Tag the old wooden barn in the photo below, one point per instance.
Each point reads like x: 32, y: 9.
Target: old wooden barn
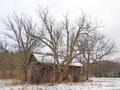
x: 40, y: 70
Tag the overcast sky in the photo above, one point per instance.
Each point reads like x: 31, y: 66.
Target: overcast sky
x: 105, y: 11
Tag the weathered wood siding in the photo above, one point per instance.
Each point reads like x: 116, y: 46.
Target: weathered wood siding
x: 43, y: 72
x: 74, y: 73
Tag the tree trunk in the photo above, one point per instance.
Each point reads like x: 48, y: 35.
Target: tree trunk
x: 54, y: 73
x: 87, y: 71
x: 60, y: 78
x: 25, y: 72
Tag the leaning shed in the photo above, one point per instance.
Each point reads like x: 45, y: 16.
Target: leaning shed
x: 40, y: 70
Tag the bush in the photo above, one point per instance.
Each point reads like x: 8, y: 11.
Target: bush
x: 118, y: 74
x: 98, y: 74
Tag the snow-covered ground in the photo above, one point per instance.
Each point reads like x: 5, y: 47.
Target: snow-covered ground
x: 92, y: 84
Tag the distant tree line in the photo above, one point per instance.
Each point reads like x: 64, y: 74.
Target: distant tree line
x: 106, y: 69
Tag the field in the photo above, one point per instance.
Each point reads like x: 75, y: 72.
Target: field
x: 92, y: 84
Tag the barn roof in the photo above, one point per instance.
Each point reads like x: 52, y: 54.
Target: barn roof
x: 50, y: 59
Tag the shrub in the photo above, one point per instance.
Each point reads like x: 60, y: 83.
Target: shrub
x: 98, y: 74
x: 118, y: 74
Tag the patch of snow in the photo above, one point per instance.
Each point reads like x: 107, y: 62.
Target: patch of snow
x: 75, y: 63
x: 43, y: 58
x: 92, y: 84
x: 50, y: 59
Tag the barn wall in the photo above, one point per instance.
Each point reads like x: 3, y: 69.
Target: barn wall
x: 74, y: 73
x: 43, y: 73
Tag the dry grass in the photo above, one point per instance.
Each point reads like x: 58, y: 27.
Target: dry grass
x: 6, y: 76
x: 82, y: 78
x: 16, y: 79
x: 19, y: 79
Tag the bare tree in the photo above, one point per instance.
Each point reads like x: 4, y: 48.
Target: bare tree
x: 19, y: 28
x: 62, y: 38
x: 3, y: 46
x: 94, y: 47
x: 51, y: 36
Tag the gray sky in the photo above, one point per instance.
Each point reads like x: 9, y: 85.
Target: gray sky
x: 105, y: 11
